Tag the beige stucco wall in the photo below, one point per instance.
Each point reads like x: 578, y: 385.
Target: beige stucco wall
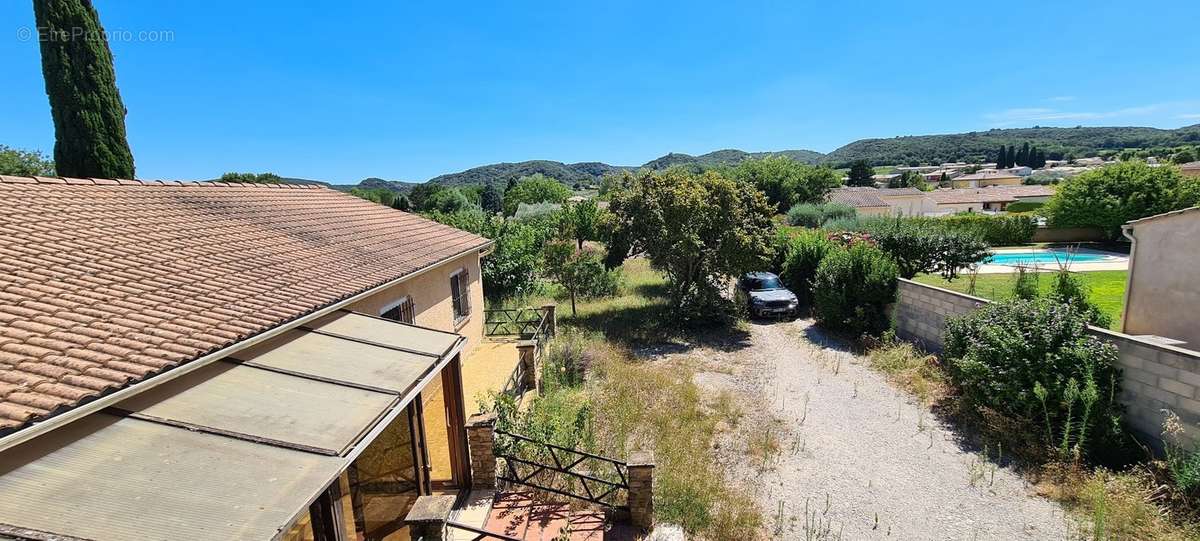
x: 431, y: 299
x: 909, y: 205
x: 873, y: 211
x: 1163, y: 295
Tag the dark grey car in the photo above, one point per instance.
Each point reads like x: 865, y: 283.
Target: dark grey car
x: 765, y: 295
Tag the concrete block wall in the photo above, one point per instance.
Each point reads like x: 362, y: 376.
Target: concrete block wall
x: 1155, y: 376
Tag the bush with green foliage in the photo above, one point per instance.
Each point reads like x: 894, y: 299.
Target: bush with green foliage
x: 803, y: 254
x: 491, y: 199
x: 1035, y: 360
x: 816, y: 215
x: 1108, y: 197
x: 260, y: 178
x: 852, y: 288
x: 24, y: 163
x: 698, y: 230
x: 579, y: 272
x: 1067, y: 287
x: 917, y: 249
x: 998, y: 230
x: 532, y: 189
x: 785, y: 181
x: 449, y: 201
x: 860, y: 174
x: 513, y: 266
x: 806, y: 215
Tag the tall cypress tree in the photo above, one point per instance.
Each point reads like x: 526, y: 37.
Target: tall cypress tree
x: 1011, y: 159
x: 1002, y: 158
x: 89, y: 118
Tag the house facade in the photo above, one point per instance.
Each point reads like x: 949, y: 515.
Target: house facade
x: 227, y: 361
x: 983, y: 179
x: 1164, y: 267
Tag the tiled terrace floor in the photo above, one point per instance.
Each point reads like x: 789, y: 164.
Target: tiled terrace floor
x: 517, y: 515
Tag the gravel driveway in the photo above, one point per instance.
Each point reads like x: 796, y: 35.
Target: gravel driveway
x: 865, y: 459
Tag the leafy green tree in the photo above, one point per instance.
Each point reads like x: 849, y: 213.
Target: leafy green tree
x: 259, y: 178
x: 582, y: 221
x: 860, y: 174
x: 536, y: 188
x: 421, y: 193
x: 785, y: 181
x: 402, y: 203
x: 1108, y: 197
x: 449, y: 201
x: 917, y: 248
x: 910, y: 179
x: 89, y: 117
x: 383, y: 196
x: 490, y: 199
x: 699, y: 230
x: 1185, y: 155
x: 24, y: 163
x: 581, y: 273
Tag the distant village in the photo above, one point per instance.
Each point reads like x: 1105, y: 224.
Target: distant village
x: 969, y: 187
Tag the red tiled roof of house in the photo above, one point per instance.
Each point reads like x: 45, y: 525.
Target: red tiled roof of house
x: 991, y: 194
x: 105, y: 283
x: 857, y: 197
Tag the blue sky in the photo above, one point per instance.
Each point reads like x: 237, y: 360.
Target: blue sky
x: 339, y: 91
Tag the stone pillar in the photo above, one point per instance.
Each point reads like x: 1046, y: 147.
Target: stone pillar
x: 640, y: 470
x: 427, y: 518
x: 481, y: 441
x: 551, y: 319
x: 527, y: 356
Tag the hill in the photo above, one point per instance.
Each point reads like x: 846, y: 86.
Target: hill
x: 568, y: 173
x: 728, y: 157
x: 982, y: 146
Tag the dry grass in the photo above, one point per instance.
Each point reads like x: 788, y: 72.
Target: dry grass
x: 1116, y: 505
x: 911, y: 369
x: 644, y: 406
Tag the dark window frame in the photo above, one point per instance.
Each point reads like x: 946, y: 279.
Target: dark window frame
x: 460, y: 294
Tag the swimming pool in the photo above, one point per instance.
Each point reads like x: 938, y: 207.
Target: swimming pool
x: 1044, y: 257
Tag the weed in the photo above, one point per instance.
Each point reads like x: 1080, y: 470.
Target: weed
x: 916, y: 372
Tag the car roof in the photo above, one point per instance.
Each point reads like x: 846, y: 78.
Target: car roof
x: 759, y: 275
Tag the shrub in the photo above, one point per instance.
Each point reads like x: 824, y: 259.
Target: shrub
x: 843, y: 224
x: 1108, y: 197
x: 837, y: 211
x: 1004, y: 230
x: 851, y: 289
x: 1025, y: 284
x: 1035, y: 360
x: 917, y: 249
x: 804, y: 253
x: 806, y: 215
x: 1068, y: 288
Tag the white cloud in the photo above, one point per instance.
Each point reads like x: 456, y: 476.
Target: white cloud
x: 1027, y: 115
x: 1190, y: 116
x: 1061, y: 98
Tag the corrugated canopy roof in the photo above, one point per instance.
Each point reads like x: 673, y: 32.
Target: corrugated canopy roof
x: 105, y: 283
x: 233, y: 450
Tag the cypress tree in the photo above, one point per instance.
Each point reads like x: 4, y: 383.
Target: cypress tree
x: 1011, y: 159
x: 89, y: 118
x: 1002, y: 158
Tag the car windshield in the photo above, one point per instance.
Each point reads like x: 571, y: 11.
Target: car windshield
x: 760, y: 284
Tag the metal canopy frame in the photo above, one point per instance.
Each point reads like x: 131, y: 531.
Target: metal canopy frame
x: 183, y: 408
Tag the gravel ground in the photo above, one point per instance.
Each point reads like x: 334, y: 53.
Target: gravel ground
x: 865, y: 459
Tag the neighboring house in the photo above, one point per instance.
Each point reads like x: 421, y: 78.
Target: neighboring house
x: 1191, y: 169
x: 936, y: 176
x: 882, y: 181
x: 907, y: 201
x: 1164, y: 267
x: 993, y: 199
x: 983, y: 179
x: 865, y: 200
x: 227, y: 361
x: 1020, y: 170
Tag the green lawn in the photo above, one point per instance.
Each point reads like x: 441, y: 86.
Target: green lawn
x: 1108, y: 288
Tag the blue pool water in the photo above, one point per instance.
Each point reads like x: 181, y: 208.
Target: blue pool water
x: 1047, y: 257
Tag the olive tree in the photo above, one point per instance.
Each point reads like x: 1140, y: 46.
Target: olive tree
x: 699, y: 230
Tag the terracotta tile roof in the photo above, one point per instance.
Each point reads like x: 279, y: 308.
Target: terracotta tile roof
x: 104, y: 283
x: 857, y: 197
x: 991, y: 194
